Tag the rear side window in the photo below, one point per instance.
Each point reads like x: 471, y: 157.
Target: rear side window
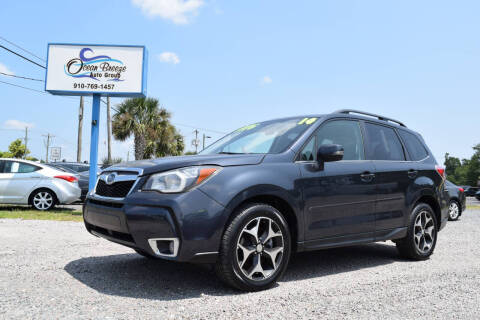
x: 414, y: 146
x: 383, y: 143
x: 19, y: 167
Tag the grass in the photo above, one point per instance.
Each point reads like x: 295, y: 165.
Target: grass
x: 27, y: 213
x: 473, y: 207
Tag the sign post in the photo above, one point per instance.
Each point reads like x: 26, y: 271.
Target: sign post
x: 96, y: 70
x: 94, y: 141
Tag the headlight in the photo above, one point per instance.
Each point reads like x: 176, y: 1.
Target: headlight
x: 179, y: 180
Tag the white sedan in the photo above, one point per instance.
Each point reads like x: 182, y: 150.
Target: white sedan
x: 27, y: 182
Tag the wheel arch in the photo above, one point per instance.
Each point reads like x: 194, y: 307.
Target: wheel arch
x: 30, y: 197
x: 433, y: 203
x: 275, y: 197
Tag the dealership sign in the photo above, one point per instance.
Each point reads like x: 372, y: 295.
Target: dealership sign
x: 109, y: 70
x: 96, y: 70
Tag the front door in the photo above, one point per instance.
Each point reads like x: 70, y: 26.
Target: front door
x: 17, y: 180
x: 340, y: 199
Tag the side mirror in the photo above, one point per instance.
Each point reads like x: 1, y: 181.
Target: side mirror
x: 329, y: 153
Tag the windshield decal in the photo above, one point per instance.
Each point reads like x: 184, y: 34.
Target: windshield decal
x: 307, y: 121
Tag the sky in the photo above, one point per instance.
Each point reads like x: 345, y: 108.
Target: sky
x: 219, y: 65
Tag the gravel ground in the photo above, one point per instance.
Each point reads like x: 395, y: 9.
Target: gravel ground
x: 52, y: 270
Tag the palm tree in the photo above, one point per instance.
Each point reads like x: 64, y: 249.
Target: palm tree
x: 150, y: 126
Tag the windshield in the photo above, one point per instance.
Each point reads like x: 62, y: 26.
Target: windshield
x: 265, y: 137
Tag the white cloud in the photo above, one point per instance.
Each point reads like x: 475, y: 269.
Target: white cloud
x: 4, y: 69
x: 16, y: 124
x: 266, y: 80
x: 169, y: 57
x: 177, y: 11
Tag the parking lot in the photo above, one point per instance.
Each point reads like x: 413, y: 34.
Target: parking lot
x: 51, y: 269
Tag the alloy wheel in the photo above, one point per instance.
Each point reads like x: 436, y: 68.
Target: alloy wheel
x: 43, y: 200
x: 260, y: 248
x: 453, y: 210
x: 424, y: 231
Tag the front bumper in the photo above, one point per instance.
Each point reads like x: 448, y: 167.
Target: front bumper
x: 192, y: 218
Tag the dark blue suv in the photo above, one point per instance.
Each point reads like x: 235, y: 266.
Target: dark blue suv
x: 251, y: 199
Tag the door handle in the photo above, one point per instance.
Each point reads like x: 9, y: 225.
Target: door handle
x: 412, y: 174
x: 367, y: 176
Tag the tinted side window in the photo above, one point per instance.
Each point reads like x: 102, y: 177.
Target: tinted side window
x: 345, y: 133
x: 414, y: 146
x: 19, y: 167
x: 383, y: 143
x: 308, y: 153
x: 27, y: 168
x: 2, y: 164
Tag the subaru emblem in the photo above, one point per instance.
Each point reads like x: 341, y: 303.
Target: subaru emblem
x: 110, y: 179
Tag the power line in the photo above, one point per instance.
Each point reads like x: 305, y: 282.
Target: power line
x: 203, y: 129
x: 26, y: 78
x: 18, y: 54
x: 26, y: 88
x: 25, y: 50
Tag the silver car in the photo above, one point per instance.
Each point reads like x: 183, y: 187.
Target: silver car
x: 27, y: 182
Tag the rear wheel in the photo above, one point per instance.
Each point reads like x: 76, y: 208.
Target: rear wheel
x: 421, y: 235
x: 255, y: 248
x: 453, y: 211
x: 43, y: 200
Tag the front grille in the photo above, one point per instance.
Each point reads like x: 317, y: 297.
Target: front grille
x: 110, y: 233
x: 116, y: 190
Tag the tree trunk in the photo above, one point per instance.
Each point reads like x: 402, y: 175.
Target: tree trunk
x: 140, y: 145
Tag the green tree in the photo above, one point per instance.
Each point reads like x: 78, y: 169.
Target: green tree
x: 451, y: 165
x: 5, y: 154
x: 465, y: 172
x: 150, y: 126
x: 18, y: 149
x: 473, y: 170
x: 105, y: 161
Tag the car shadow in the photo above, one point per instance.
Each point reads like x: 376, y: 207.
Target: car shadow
x: 29, y: 208
x: 131, y: 275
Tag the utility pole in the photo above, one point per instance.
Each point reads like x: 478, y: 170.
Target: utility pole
x: 196, y: 140
x: 109, y: 132
x: 205, y: 137
x: 80, y: 126
x: 26, y: 143
x: 47, y: 144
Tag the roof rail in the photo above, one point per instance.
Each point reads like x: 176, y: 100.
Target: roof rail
x: 379, y: 117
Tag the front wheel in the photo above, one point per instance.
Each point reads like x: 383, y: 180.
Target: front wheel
x: 421, y: 235
x: 255, y: 248
x: 453, y: 211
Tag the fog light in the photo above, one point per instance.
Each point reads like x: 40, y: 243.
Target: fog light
x: 164, y: 247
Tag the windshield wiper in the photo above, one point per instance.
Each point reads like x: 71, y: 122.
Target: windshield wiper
x: 225, y: 152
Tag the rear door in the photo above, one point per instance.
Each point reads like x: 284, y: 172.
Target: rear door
x: 18, y: 179
x: 339, y: 200
x: 394, y: 176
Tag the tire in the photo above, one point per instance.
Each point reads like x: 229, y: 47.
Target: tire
x: 454, y: 211
x: 255, y: 248
x: 421, y: 235
x: 145, y: 254
x: 43, y: 200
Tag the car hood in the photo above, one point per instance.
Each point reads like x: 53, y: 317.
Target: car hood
x: 169, y: 163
